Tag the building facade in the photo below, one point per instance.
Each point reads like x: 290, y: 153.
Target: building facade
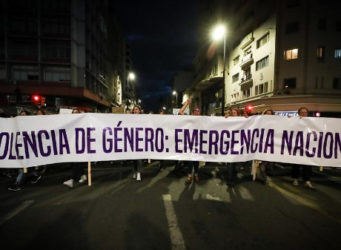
x: 281, y: 55
x: 70, y: 52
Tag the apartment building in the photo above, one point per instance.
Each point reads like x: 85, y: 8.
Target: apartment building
x: 70, y: 52
x: 280, y: 54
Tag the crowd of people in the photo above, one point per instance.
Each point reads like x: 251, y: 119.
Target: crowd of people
x: 78, y: 174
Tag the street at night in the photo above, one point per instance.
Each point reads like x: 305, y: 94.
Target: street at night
x: 161, y: 212
x: 197, y: 124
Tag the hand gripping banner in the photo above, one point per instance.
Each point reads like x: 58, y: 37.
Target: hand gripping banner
x: 27, y: 141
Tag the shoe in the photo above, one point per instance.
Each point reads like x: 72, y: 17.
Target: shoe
x: 69, y: 183
x: 134, y: 175
x: 83, y: 178
x: 196, y: 178
x: 36, y: 179
x: 295, y: 182
x: 14, y: 187
x: 188, y: 180
x: 309, y: 185
x: 138, y: 176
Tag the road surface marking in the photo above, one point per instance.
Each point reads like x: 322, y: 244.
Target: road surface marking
x: 303, y: 201
x: 245, y: 194
x: 16, y: 211
x: 212, y: 198
x: 174, y: 230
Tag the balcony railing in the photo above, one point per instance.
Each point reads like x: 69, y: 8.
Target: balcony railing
x: 246, y: 79
x: 246, y: 60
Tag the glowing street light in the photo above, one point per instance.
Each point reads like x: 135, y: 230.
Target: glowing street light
x: 131, y: 76
x: 218, y: 33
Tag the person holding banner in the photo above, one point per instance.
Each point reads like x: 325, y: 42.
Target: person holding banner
x: 306, y: 170
x: 22, y: 172
x: 77, y: 167
x: 193, y: 166
x: 265, y: 165
x: 232, y: 166
x: 137, y: 163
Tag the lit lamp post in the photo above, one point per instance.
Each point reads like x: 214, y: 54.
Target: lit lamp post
x: 176, y: 97
x: 131, y: 77
x: 219, y: 33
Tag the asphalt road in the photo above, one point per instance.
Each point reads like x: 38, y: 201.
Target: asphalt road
x: 161, y: 212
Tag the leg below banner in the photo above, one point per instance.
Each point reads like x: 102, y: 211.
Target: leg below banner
x: 89, y: 174
x: 255, y: 165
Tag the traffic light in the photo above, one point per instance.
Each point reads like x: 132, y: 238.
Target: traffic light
x: 249, y: 108
x: 38, y: 100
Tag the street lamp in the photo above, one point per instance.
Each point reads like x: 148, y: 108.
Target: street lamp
x: 219, y: 32
x: 131, y: 77
x: 176, y: 97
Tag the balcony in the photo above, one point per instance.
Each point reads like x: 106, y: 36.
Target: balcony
x: 246, y: 80
x: 246, y: 61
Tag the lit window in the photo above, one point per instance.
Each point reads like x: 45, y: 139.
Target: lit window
x: 320, y: 52
x: 290, y: 54
x: 337, y: 53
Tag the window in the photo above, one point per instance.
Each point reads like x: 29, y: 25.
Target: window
x: 23, y: 50
x: 236, y: 60
x: 320, y: 52
x: 262, y: 63
x: 263, y: 40
x: 23, y: 25
x: 266, y: 87
x: 25, y: 73
x: 56, y: 26
x: 337, y: 53
x: 57, y: 74
x: 235, y: 77
x: 290, y: 83
x: 247, y: 93
x: 322, y: 24
x: 292, y: 27
x: 57, y: 50
x: 290, y: 54
x: 337, y: 83
x: 261, y: 88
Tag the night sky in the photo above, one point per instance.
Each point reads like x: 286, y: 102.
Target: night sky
x: 163, y: 39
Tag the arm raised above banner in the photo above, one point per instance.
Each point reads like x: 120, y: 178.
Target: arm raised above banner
x: 183, y: 108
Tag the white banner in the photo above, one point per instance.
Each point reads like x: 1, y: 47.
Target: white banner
x: 27, y: 141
